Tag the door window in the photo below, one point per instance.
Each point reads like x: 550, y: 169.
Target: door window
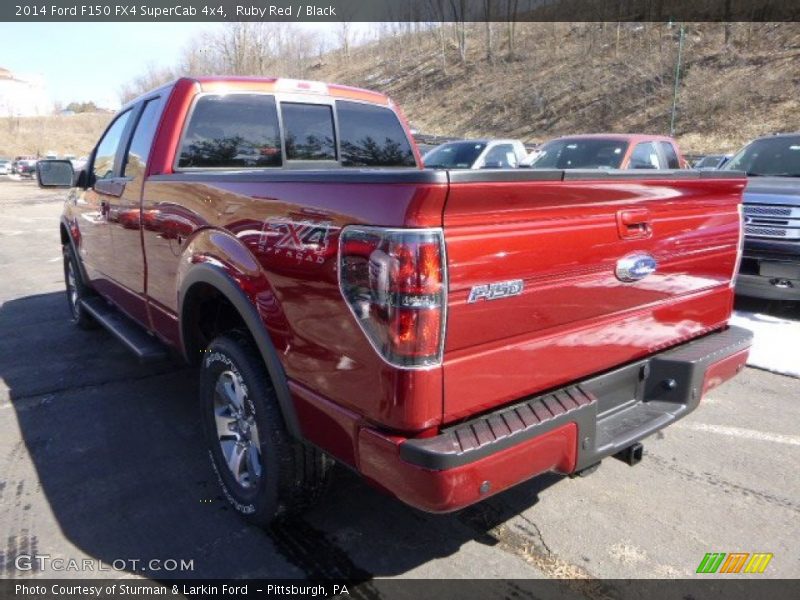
x: 670, y: 154
x: 105, y: 156
x: 645, y: 156
x: 139, y: 150
x: 500, y: 157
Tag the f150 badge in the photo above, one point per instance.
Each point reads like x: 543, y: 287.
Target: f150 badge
x: 495, y: 291
x: 635, y: 267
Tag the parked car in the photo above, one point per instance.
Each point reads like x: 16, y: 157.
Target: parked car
x: 19, y: 159
x: 711, y: 162
x: 476, y: 154
x: 608, y: 151
x: 25, y: 168
x: 771, y: 263
x: 327, y: 321
x: 5, y: 166
x: 78, y: 163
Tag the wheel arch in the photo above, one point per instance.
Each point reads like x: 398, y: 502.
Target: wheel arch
x: 215, y: 277
x: 68, y: 239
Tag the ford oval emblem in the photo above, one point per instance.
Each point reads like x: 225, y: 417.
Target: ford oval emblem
x: 635, y: 267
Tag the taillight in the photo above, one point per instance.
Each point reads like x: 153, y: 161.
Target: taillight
x: 394, y: 282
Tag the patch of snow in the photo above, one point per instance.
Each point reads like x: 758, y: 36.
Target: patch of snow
x: 776, y: 342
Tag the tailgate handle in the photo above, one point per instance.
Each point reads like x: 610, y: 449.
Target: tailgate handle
x: 634, y: 223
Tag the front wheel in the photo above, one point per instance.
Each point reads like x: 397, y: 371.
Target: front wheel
x: 77, y: 290
x: 264, y: 473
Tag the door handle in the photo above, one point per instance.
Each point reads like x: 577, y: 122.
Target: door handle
x: 634, y: 223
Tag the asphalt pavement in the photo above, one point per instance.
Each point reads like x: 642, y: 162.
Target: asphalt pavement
x: 102, y: 460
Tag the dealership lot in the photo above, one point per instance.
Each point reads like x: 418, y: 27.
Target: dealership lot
x: 102, y: 459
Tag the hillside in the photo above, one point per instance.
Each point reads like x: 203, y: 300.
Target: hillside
x: 737, y: 81
x: 75, y: 134
x: 577, y: 78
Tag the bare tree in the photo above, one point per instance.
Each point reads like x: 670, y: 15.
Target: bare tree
x: 437, y: 9
x: 459, y: 14
x: 344, y: 38
x: 488, y: 15
x: 512, y: 6
x: 152, y: 78
x: 258, y: 49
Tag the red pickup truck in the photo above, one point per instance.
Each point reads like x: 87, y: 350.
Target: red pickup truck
x: 608, y: 151
x: 447, y: 334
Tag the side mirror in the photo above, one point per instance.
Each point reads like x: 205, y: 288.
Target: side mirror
x: 55, y: 174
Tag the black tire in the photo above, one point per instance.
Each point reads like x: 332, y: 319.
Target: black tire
x: 77, y: 290
x: 291, y: 476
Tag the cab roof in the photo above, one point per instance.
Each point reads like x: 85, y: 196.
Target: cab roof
x: 276, y: 85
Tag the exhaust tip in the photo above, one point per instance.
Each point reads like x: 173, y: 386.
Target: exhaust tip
x: 632, y: 455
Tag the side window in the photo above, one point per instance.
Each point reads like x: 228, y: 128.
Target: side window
x: 371, y: 136
x: 308, y: 131
x: 644, y: 156
x: 500, y: 157
x: 139, y: 150
x: 670, y: 154
x: 104, y: 158
x: 232, y: 131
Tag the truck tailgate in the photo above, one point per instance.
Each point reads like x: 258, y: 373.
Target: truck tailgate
x: 554, y: 242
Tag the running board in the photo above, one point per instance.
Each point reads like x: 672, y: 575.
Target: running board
x: 136, y: 339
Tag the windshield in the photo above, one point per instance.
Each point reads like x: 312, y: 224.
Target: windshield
x: 581, y: 153
x: 777, y: 156
x: 709, y: 161
x: 454, y: 155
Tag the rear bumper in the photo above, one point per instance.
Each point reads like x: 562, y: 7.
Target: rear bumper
x: 770, y: 269
x: 767, y: 288
x: 565, y: 430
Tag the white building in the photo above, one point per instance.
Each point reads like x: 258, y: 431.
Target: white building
x: 22, y: 96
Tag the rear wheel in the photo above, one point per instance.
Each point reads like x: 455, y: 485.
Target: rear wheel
x: 77, y: 290
x: 264, y: 473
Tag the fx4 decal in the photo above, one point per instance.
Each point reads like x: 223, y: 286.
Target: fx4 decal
x: 301, y: 240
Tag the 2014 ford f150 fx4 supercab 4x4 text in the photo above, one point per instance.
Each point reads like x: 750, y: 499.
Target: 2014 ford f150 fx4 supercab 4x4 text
x: 446, y: 334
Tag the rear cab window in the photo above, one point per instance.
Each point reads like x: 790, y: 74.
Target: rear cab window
x: 372, y: 136
x: 257, y: 130
x: 232, y: 131
x: 308, y: 131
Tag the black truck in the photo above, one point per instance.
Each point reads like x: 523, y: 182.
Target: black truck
x: 770, y: 266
